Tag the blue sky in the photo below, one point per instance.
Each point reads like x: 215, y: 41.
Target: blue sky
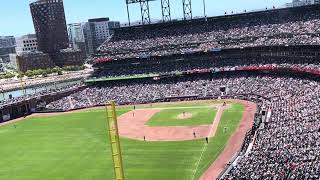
x: 15, y: 17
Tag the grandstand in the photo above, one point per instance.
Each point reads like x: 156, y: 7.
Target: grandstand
x: 269, y: 57
x: 290, y: 26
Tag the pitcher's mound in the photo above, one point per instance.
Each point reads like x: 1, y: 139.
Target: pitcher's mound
x: 184, y: 115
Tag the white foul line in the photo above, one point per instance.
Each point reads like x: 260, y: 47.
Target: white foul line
x: 205, y: 145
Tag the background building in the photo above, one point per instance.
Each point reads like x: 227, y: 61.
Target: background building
x: 52, y: 39
x: 13, y: 61
x: 7, y: 41
x: 96, y: 31
x: 7, y: 46
x: 26, y: 43
x: 50, y: 25
x: 68, y: 57
x: 76, y: 37
x: 33, y: 60
x: 296, y: 3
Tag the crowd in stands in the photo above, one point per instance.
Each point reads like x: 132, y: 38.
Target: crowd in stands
x: 60, y: 104
x: 14, y: 100
x: 287, y: 147
x: 172, y: 66
x: 188, y: 38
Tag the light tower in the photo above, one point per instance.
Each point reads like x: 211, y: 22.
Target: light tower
x: 187, y: 10
x: 165, y: 9
x: 144, y: 10
x: 166, y: 13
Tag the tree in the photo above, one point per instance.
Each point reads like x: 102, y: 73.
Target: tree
x: 44, y: 74
x: 20, y: 75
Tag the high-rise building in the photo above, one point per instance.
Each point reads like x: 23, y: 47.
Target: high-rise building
x: 50, y: 25
x: 96, y: 31
x: 76, y: 37
x: 26, y: 43
x: 52, y: 37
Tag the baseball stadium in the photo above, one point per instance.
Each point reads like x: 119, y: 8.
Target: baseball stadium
x: 235, y: 96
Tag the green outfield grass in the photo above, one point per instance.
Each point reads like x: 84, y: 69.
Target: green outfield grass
x: 76, y: 147
x: 169, y: 117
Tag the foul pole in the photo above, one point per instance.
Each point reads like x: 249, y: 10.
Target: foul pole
x: 112, y: 126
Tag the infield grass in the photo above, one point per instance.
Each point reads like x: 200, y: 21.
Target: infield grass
x: 169, y: 117
x: 76, y: 147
